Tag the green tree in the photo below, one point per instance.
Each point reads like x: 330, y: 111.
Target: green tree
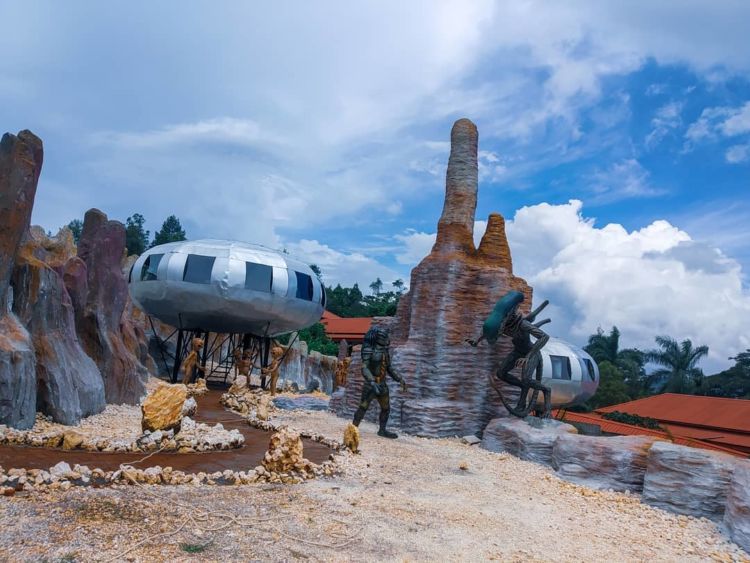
x: 612, y: 389
x: 398, y: 285
x: 679, y: 372
x: 171, y: 231
x: 318, y: 341
x: 136, y: 237
x: 315, y: 268
x: 629, y: 361
x: 733, y: 382
x: 76, y: 227
x: 377, y: 286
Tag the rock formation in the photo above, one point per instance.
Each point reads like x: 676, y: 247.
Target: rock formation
x: 737, y: 513
x: 20, y: 165
x: 100, y: 317
x: 603, y: 462
x: 530, y: 439
x: 688, y: 480
x: 286, y: 454
x: 308, y: 369
x: 451, y: 292
x: 69, y: 384
x: 163, y: 409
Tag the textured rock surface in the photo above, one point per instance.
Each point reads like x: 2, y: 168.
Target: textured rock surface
x: 285, y: 454
x: 306, y: 368
x: 304, y: 402
x: 688, y: 481
x: 100, y: 318
x: 616, y: 462
x: 530, y: 439
x: 737, y: 513
x: 451, y: 292
x: 163, y: 408
x: 69, y: 384
x: 20, y: 165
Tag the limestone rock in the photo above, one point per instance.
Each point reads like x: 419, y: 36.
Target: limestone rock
x: 452, y: 291
x: 21, y: 159
x: 72, y: 440
x: 285, y: 454
x: 530, y: 439
x: 688, y: 481
x: 100, y: 318
x: 308, y: 369
x: 602, y: 462
x: 351, y: 438
x: 69, y: 384
x: 189, y: 407
x: 162, y: 409
x: 737, y: 513
x: 239, y: 385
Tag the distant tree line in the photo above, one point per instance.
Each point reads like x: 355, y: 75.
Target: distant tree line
x: 623, y: 374
x: 136, y: 236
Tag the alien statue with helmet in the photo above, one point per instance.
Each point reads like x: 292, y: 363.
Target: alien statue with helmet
x: 505, y: 320
x: 376, y: 364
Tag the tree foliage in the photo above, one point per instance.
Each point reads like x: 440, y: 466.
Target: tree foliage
x: 317, y: 340
x: 136, y: 237
x: 171, y: 231
x: 629, y: 362
x: 732, y: 383
x: 679, y: 371
x: 76, y: 227
x: 634, y: 419
x: 612, y: 389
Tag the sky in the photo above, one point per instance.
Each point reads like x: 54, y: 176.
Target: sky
x: 614, y: 138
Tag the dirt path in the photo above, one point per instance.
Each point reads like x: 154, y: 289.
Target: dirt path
x: 399, y: 500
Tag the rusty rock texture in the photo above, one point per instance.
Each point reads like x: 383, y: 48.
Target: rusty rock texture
x: 102, y: 326
x: 737, y: 513
x: 688, y: 480
x: 69, y: 385
x: 602, y: 462
x: 451, y: 293
x: 21, y: 159
x: 530, y: 439
x: 308, y: 369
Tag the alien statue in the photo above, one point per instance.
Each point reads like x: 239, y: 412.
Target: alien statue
x: 376, y: 364
x: 272, y: 369
x: 505, y: 320
x: 192, y: 362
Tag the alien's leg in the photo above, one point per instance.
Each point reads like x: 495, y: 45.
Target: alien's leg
x: 367, y: 394
x: 385, y: 411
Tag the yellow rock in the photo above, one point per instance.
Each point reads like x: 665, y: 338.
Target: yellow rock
x: 351, y: 438
x: 162, y: 409
x: 72, y: 440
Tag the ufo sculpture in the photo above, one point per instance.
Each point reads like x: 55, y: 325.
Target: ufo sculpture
x: 243, y: 291
x: 569, y: 372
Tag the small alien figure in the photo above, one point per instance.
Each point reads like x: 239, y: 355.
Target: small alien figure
x: 244, y: 364
x: 376, y: 364
x: 192, y: 362
x: 505, y: 320
x: 272, y: 369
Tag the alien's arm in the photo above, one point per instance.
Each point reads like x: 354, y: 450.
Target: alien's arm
x: 531, y: 317
x: 541, y: 337
x: 366, y: 373
x: 392, y: 372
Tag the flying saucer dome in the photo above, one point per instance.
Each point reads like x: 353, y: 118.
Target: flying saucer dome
x: 226, y: 286
x: 569, y: 371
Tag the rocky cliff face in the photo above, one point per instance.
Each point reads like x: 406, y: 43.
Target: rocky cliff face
x: 20, y: 165
x: 308, y: 369
x: 101, y: 325
x: 452, y: 291
x: 64, y: 319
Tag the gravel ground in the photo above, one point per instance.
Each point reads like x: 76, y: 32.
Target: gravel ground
x: 402, y: 500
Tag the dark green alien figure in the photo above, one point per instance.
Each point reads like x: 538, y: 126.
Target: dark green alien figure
x: 376, y: 364
x: 505, y: 320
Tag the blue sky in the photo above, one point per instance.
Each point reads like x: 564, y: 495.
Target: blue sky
x: 614, y: 137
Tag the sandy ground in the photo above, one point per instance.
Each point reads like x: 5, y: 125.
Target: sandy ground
x: 402, y: 500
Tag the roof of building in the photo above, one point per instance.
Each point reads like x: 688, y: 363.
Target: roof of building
x: 341, y: 328
x: 622, y: 429
x: 691, y: 410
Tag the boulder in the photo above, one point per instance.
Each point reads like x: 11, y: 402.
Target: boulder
x: 72, y: 440
x: 102, y: 327
x: 69, y: 384
x: 452, y: 291
x: 737, y: 513
x: 530, y: 439
x: 689, y: 481
x: 163, y: 408
x: 285, y: 454
x: 21, y: 159
x: 602, y: 462
x: 309, y: 370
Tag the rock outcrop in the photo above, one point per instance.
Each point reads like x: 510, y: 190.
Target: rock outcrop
x: 688, y: 481
x: 307, y: 369
x: 451, y: 293
x: 20, y: 165
x: 69, y: 384
x: 285, y: 454
x: 737, y: 513
x: 531, y: 439
x: 163, y: 409
x: 603, y: 462
x: 102, y: 326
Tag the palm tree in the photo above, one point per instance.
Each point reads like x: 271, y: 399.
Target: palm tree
x: 376, y: 286
x: 629, y: 361
x: 679, y: 372
x: 603, y: 347
x: 398, y: 285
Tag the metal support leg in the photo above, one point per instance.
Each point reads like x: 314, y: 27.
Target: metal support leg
x: 177, y: 357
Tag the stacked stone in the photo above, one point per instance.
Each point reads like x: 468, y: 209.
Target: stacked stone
x: 451, y: 292
x: 530, y: 439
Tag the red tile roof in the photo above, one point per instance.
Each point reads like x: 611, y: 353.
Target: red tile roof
x: 612, y: 427
x: 341, y: 328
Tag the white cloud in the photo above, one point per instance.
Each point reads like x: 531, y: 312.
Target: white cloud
x: 622, y: 180
x: 738, y: 153
x: 666, y: 120
x: 651, y: 281
x: 738, y: 123
x: 716, y: 122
